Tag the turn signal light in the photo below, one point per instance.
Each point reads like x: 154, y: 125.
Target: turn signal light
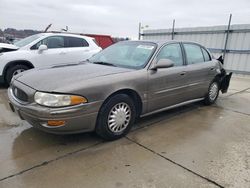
x: 77, y: 100
x: 55, y: 123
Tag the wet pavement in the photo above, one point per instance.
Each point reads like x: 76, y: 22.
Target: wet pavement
x: 191, y: 146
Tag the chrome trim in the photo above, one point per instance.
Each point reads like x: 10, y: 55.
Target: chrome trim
x: 173, y: 106
x: 172, y: 89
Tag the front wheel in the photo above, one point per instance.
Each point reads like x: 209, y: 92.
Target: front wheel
x: 12, y: 71
x: 212, y: 94
x: 116, y: 117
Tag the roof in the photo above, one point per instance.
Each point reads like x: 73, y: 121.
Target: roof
x: 161, y: 42
x: 65, y: 34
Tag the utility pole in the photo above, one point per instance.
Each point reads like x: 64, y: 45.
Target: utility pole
x: 139, y: 32
x: 227, y: 33
x: 173, y: 29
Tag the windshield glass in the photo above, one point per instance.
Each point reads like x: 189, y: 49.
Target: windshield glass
x: 27, y: 40
x: 130, y: 54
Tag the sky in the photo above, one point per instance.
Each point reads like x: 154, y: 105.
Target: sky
x: 120, y: 18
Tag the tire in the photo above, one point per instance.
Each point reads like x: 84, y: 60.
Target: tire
x: 213, y: 93
x: 13, y: 71
x: 112, y: 126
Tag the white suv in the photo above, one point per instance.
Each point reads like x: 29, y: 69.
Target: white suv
x: 44, y: 49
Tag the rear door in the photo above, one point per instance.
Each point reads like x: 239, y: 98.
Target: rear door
x: 77, y: 49
x: 200, y: 70
x: 166, y: 86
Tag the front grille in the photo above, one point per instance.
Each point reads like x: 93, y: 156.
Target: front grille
x: 20, y: 94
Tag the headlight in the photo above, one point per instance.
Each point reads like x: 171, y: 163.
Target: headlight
x: 58, y: 100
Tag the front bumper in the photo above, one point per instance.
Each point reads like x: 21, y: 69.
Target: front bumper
x: 79, y: 118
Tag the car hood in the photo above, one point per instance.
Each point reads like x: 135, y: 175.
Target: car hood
x: 7, y: 47
x: 54, y: 78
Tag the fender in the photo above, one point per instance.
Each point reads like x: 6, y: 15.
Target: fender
x: 17, y: 62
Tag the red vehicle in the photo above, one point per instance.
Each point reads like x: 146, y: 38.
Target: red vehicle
x: 102, y: 40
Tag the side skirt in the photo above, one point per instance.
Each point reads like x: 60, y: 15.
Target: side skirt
x: 173, y: 106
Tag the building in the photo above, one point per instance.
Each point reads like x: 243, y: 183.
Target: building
x: 237, y: 51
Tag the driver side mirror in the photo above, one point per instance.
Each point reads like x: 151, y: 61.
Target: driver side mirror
x: 163, y: 63
x: 42, y: 47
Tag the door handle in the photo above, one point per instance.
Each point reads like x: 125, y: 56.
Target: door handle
x: 62, y: 53
x: 183, y: 73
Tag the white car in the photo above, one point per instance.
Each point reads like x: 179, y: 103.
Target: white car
x: 44, y: 49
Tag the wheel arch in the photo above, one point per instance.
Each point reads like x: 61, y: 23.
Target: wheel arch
x: 133, y: 95
x: 17, y: 62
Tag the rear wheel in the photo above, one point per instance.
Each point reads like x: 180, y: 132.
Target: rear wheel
x: 213, y: 92
x: 12, y: 71
x: 116, y: 117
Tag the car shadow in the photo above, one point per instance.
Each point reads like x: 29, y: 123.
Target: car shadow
x: 43, y: 146
x: 32, y: 140
x: 165, y: 115
x: 3, y: 86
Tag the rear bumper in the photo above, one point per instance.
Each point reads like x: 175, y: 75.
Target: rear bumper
x: 79, y: 118
x: 225, y: 81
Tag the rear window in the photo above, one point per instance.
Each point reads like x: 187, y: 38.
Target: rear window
x: 193, y: 53
x: 205, y: 54
x: 76, y: 42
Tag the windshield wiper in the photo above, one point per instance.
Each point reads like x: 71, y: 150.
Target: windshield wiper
x: 104, y: 63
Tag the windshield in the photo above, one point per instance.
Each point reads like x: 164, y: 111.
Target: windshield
x: 27, y: 40
x: 130, y: 54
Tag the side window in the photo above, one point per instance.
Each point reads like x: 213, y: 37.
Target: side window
x: 193, y: 53
x: 205, y: 54
x: 172, y: 52
x: 76, y: 42
x: 51, y: 42
x: 36, y: 46
x: 54, y: 42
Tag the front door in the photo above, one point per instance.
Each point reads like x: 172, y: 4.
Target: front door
x: 55, y: 54
x: 167, y: 86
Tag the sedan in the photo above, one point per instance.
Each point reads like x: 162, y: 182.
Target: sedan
x: 110, y: 90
